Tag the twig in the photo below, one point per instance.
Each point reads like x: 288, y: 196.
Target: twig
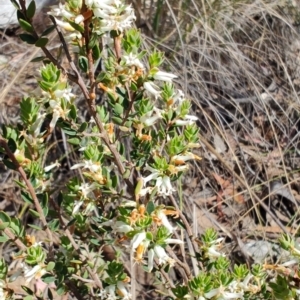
x: 31, y: 190
x: 186, y: 224
x: 93, y: 274
x: 79, y: 81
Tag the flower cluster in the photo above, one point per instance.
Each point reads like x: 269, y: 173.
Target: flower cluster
x: 149, y: 231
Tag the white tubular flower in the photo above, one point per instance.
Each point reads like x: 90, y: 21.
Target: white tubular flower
x: 212, y: 250
x: 164, y: 221
x: 163, y: 76
x: 182, y: 158
x: 155, y: 174
x: 220, y: 293
x: 35, y: 272
x: 57, y: 112
x: 60, y: 11
x: 36, y: 126
x: 132, y: 60
x: 137, y: 240
x: 174, y: 241
x: 163, y: 257
x: 121, y: 227
x: 145, y: 191
x: 111, y: 292
x: 164, y: 186
x: 88, y: 164
x: 55, y: 117
x: 122, y: 291
x: 152, y: 88
x: 86, y: 188
x: 148, y: 119
x: 52, y: 166
x: 64, y: 25
x: 77, y: 205
x: 113, y: 18
x: 2, y: 295
x: 160, y: 253
x: 188, y: 120
x: 65, y: 93
x: 102, y: 294
x: 79, y: 19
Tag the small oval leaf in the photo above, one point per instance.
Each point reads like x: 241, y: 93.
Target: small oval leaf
x: 41, y: 42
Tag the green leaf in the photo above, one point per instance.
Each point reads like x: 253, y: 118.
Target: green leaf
x: 20, y: 15
x: 41, y: 42
x: 35, y: 227
x: 76, y: 26
x: 54, y: 225
x: 117, y: 120
x: 48, y: 30
x: 60, y: 290
x: 38, y: 59
x: 93, y: 40
x: 44, y: 204
x: 15, y: 4
x: 118, y: 109
x: 12, y: 145
x: 96, y: 52
x: 4, y: 225
x: 27, y: 290
x: 9, y: 164
x: 28, y: 38
x: 95, y: 242
x: 83, y: 127
x: 83, y: 64
x: 34, y: 213
x: 73, y: 112
x: 26, y: 197
x: 150, y: 207
x: 74, y: 141
x: 50, y: 266
x: 25, y: 25
x: 47, y: 278
x: 3, y: 239
x: 4, y: 217
x: 31, y: 9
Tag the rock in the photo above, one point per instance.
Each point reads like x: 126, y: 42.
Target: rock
x: 8, y: 15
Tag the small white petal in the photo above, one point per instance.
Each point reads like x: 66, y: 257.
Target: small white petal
x: 151, y: 88
x: 150, y: 259
x: 164, y: 76
x: 137, y: 240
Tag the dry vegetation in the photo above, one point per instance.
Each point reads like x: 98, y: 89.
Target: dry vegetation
x: 239, y: 62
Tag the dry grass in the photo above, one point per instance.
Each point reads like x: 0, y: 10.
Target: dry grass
x: 239, y: 62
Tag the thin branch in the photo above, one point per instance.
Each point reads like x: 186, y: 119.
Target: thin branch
x: 79, y: 81
x: 31, y: 190
x: 186, y: 224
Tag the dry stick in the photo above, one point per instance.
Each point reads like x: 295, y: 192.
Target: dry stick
x: 187, y: 273
x: 186, y: 224
x: 242, y: 182
x: 79, y: 81
x: 31, y: 190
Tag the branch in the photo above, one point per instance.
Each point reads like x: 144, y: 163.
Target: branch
x: 31, y: 190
